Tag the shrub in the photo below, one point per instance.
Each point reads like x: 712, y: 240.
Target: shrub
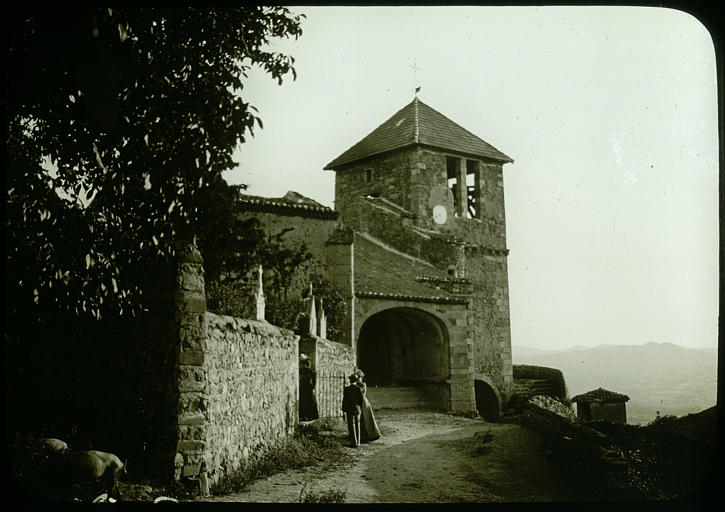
x: 329, y: 496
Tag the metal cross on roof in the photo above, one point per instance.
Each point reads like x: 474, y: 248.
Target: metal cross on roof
x: 415, y: 73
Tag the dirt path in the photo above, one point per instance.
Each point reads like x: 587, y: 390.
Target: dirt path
x: 430, y: 457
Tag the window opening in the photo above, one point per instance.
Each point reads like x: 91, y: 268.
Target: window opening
x: 471, y: 189
x: 451, y: 167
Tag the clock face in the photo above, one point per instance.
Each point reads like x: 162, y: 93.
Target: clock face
x: 439, y: 214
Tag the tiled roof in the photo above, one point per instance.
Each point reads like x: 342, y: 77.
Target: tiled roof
x: 384, y: 273
x: 417, y: 123
x: 600, y: 395
x: 291, y: 203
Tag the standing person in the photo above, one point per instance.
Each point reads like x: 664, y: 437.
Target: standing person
x: 369, y: 430
x: 308, y: 380
x: 352, y: 400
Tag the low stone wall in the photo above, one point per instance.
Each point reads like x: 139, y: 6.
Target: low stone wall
x: 333, y: 362
x: 532, y: 387
x: 250, y: 399
x: 554, y: 405
x: 555, y: 377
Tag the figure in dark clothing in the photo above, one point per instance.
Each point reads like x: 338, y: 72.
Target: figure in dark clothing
x: 308, y: 381
x: 352, y: 402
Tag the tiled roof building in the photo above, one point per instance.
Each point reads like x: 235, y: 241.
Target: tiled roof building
x: 601, y: 405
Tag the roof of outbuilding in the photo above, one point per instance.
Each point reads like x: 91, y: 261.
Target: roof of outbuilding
x: 600, y: 395
x: 292, y: 203
x: 417, y: 123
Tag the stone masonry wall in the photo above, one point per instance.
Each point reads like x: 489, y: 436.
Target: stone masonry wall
x: 491, y: 325
x: 554, y: 405
x: 237, y: 381
x: 394, y: 229
x: 553, y: 375
x: 250, y: 400
x: 390, y: 178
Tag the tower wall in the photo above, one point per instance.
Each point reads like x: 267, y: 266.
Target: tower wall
x: 415, y: 180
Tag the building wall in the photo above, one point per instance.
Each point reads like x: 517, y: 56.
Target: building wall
x: 491, y: 321
x: 416, y: 180
x: 613, y: 412
x: 390, y: 179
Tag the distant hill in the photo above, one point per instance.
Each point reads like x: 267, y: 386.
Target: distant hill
x: 660, y: 377
x: 524, y: 350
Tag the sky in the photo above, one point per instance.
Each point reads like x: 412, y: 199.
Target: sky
x: 610, y: 115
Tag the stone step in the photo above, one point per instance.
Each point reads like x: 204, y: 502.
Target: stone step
x: 398, y: 397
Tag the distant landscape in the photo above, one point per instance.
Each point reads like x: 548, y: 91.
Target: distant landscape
x: 660, y: 377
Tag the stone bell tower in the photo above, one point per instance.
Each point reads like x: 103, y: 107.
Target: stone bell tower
x: 424, y: 186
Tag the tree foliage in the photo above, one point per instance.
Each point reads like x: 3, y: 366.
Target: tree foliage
x: 138, y: 110
x: 286, y: 279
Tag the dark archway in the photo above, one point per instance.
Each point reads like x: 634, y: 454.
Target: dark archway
x: 403, y: 347
x: 486, y: 401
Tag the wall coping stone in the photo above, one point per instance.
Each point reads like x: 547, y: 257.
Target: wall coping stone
x: 411, y: 298
x: 261, y: 327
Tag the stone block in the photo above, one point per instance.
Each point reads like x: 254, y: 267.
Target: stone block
x: 190, y: 446
x: 188, y: 303
x: 191, y: 357
x: 191, y: 378
x: 190, y: 280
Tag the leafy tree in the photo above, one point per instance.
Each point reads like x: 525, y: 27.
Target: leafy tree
x: 284, y: 270
x: 283, y: 260
x: 334, y: 303
x: 138, y: 111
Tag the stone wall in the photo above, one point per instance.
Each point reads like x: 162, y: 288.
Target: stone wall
x: 550, y: 403
x: 554, y: 376
x: 491, y: 321
x: 249, y: 401
x: 389, y: 178
x: 171, y: 389
x: 237, y: 381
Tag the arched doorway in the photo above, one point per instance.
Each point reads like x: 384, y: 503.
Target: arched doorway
x: 487, y: 402
x: 406, y: 347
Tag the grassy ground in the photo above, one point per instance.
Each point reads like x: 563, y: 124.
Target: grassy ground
x: 314, y: 442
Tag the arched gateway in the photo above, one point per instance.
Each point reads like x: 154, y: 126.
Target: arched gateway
x: 407, y: 349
